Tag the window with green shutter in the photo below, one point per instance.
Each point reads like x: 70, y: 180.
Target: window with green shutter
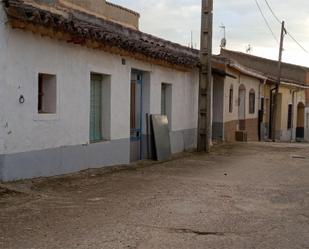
x: 166, y: 101
x: 96, y: 108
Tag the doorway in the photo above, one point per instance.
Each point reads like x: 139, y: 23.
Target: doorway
x: 96, y: 108
x: 242, y: 108
x: 300, y: 128
x: 136, y: 110
x: 166, y: 102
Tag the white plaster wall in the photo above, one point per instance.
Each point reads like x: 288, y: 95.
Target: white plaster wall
x: 3, y: 58
x: 227, y: 85
x: 184, y: 96
x: 29, y: 54
x: 249, y: 83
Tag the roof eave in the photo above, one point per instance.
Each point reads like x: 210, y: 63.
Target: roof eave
x: 101, y: 32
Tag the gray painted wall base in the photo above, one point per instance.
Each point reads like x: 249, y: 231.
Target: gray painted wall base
x: 147, y: 139
x: 70, y: 159
x: 183, y: 140
x: 63, y: 160
x: 217, y: 131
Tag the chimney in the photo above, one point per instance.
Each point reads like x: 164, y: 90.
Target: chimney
x: 105, y: 10
x: 90, y: 6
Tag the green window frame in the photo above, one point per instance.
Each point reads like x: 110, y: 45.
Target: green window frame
x: 96, y: 108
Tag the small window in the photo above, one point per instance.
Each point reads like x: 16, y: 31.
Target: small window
x: 290, y: 110
x: 252, y: 101
x: 163, y: 99
x: 231, y: 97
x: 47, y: 94
x: 166, y: 100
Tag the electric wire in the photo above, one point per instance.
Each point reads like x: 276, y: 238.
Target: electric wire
x: 266, y: 22
x: 294, y: 39
x: 288, y: 33
x: 272, y: 11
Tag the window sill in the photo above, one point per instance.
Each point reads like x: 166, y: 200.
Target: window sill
x: 100, y: 141
x: 46, y: 117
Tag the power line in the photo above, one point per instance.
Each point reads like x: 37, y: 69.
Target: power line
x: 273, y: 12
x: 266, y: 22
x: 288, y: 33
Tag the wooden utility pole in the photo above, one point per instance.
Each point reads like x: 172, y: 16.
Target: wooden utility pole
x: 275, y: 99
x: 204, y: 122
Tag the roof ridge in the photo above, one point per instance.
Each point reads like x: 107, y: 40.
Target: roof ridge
x: 231, y: 61
x: 155, y: 38
x: 263, y: 58
x: 83, y: 26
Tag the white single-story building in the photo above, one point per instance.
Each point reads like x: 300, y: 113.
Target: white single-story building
x: 237, y: 94
x: 76, y: 88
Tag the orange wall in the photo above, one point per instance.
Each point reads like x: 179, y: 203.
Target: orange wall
x: 106, y: 10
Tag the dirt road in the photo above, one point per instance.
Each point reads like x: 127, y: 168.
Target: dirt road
x: 241, y: 196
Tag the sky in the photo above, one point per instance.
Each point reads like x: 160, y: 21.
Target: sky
x: 175, y: 19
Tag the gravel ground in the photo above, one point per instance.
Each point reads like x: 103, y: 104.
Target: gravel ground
x: 240, y: 196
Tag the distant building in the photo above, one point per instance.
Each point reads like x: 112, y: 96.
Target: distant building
x: 236, y: 101
x: 248, y: 98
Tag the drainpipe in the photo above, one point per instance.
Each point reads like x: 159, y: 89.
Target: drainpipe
x: 271, y: 113
x: 263, y: 83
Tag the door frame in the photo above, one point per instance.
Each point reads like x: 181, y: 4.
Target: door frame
x: 139, y: 131
x: 242, y: 101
